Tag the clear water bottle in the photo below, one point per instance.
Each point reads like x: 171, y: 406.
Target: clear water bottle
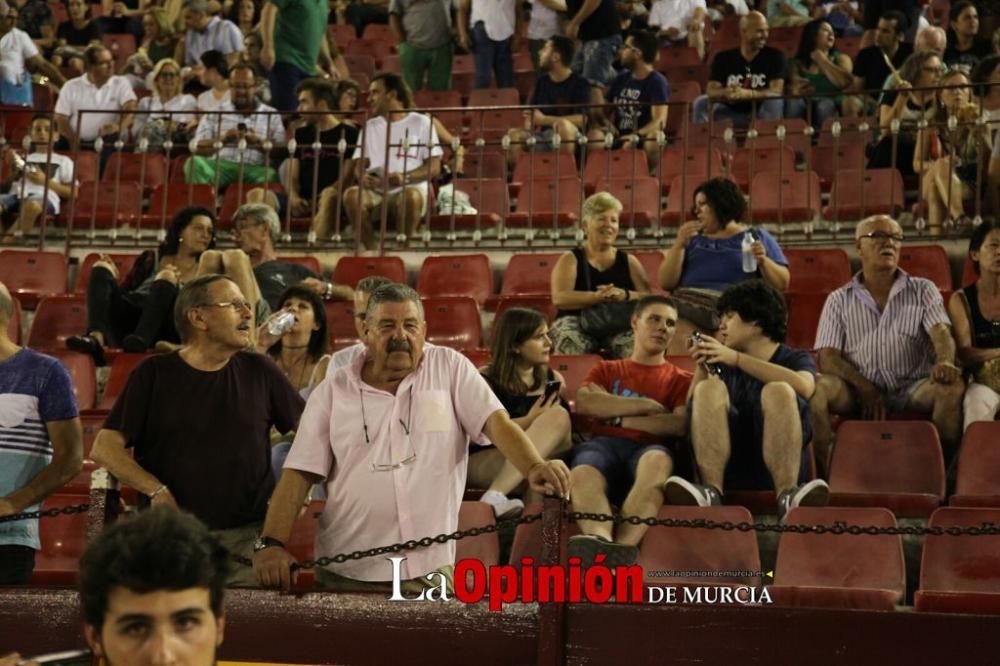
x: 281, y: 324
x: 749, y: 261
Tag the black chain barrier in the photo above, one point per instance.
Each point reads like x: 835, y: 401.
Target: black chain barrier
x: 837, y: 528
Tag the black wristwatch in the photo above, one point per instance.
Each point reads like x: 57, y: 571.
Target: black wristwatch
x: 263, y: 542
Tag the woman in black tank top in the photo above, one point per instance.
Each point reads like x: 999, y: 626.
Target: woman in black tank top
x: 595, y: 274
x: 519, y: 373
x: 975, y: 316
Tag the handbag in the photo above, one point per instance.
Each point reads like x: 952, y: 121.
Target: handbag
x: 605, y: 320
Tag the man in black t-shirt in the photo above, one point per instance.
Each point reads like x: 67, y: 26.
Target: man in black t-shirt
x: 596, y: 24
x: 749, y: 383
x: 752, y: 75
x: 199, y: 420
x: 870, y: 67
x: 560, y: 98
x: 327, y: 168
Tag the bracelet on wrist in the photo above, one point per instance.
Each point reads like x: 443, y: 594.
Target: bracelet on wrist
x: 162, y: 489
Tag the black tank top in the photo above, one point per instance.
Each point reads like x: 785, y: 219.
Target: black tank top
x: 516, y: 405
x: 985, y: 333
x: 588, y: 277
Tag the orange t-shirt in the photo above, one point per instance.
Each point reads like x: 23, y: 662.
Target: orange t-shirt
x: 666, y: 384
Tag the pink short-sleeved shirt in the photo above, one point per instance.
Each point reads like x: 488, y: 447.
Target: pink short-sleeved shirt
x: 443, y: 404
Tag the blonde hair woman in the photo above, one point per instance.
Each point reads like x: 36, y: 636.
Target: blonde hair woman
x: 167, y: 111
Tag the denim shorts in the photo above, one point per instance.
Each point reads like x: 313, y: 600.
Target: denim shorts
x: 11, y: 203
x: 616, y: 459
x: 593, y: 60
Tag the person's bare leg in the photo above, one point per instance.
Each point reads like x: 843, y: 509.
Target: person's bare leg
x: 782, y: 445
x: 567, y: 132
x: 696, y: 39
x: 31, y: 210
x: 710, y: 430
x: 550, y: 433
x: 944, y: 176
x: 646, y: 497
x: 832, y: 395
x: 590, y: 496
x: 517, y: 139
x: 323, y: 223
x: 210, y: 262
x: 411, y: 203
x: 355, y: 203
x: 944, y: 402
x: 264, y: 196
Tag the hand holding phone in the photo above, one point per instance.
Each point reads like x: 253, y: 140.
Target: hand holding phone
x: 551, y: 389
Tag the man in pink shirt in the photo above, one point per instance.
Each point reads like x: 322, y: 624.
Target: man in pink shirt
x: 389, y: 436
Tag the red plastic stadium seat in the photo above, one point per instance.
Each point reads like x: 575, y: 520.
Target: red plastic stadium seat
x: 486, y: 164
x: 14, y: 324
x: 574, y: 368
x: 850, y: 133
x: 350, y: 270
x: 342, y: 33
x: 606, y: 165
x: 699, y: 165
x: 340, y: 322
x: 640, y: 199
x: 680, y: 201
x: 978, y: 482
x: 453, y: 321
x: 306, y: 260
x: 378, y: 31
x: 91, y: 424
x: 63, y: 540
x: 121, y: 367
x: 375, y: 48
x: 542, y: 303
x: 547, y: 202
x: 123, y: 262
x: 696, y: 72
x: 302, y: 543
x: 484, y: 547
x: 478, y: 357
x: 679, y: 113
x: 670, y: 549
x: 794, y: 196
x: 753, y: 161
x: 795, y: 135
x: 360, y: 63
x: 33, y: 275
x: 528, y: 537
x: 529, y: 274
x: 960, y: 574
x: 57, y: 318
x: 675, y: 56
x: 456, y: 275
x: 651, y: 260
x: 147, y: 169
x: 494, y: 97
x: 857, y: 194
x: 166, y: 200
x: 83, y: 374
x: 488, y: 196
x: 839, y: 571
x: 107, y: 204
x: 804, y: 310
x: 927, y: 261
x: 436, y: 99
x: 893, y: 464
x: 817, y: 270
x: 15, y: 121
x: 536, y: 166
x: 827, y: 160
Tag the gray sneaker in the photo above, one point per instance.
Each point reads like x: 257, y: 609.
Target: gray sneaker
x: 587, y: 547
x: 681, y: 492
x: 813, y: 493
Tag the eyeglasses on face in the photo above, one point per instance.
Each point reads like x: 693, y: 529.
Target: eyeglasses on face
x: 882, y: 236
x: 236, y: 305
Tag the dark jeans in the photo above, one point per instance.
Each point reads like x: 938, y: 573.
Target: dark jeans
x: 359, y: 15
x: 16, y: 565
x: 491, y: 56
x: 117, y: 314
x: 284, y: 79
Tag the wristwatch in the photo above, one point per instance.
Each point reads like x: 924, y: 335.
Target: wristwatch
x: 616, y: 422
x: 263, y: 542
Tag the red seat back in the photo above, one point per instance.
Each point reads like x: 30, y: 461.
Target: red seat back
x: 167, y: 199
x: 456, y: 275
x: 121, y: 367
x: 108, y: 204
x: 63, y: 541
x: 147, y: 169
x: 340, y: 323
x: 859, y: 194
x: 978, y: 475
x: 804, y: 311
x: 817, y: 269
x: 607, y: 165
x: 789, y: 197
x: 534, y: 166
x: 123, y: 262
x: 453, y: 321
x: 305, y: 260
x: 33, y: 275
x: 529, y: 274
x: 960, y: 573
x: 82, y: 373
x: 350, y: 270
x: 927, y: 261
x: 57, y: 318
x: 574, y: 369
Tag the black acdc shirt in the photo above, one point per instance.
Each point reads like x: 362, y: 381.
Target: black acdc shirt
x: 731, y: 69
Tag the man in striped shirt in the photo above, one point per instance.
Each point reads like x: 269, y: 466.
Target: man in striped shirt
x: 885, y: 344
x: 41, y: 443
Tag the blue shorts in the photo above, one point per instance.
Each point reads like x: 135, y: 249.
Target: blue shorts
x: 11, y: 203
x: 594, y: 59
x: 616, y: 459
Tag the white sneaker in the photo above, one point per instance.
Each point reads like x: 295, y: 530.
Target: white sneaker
x: 503, y: 506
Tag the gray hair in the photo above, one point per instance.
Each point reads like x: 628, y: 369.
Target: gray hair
x: 933, y: 38
x: 394, y: 293
x: 598, y: 203
x: 259, y: 213
x: 192, y: 295
x: 859, y: 231
x: 369, y: 284
x: 6, y: 303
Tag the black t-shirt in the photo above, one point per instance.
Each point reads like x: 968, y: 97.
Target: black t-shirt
x: 873, y: 10
x: 329, y: 155
x: 82, y: 37
x: 602, y: 23
x: 871, y: 66
x: 730, y: 68
x: 966, y: 60
x: 570, y: 95
x: 273, y: 277
x: 206, y: 435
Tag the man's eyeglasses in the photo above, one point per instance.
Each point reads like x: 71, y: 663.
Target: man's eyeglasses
x: 388, y: 465
x: 882, y: 236
x: 235, y: 305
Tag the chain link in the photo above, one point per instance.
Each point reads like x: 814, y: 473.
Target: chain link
x: 47, y: 513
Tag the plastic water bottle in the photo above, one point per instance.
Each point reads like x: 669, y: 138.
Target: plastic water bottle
x: 281, y: 324
x: 749, y: 261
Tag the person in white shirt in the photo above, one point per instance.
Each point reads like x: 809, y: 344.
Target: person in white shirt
x: 545, y: 21
x: 41, y: 175
x: 496, y: 36
x: 414, y: 152
x: 99, y: 88
x: 205, y: 33
x: 18, y: 54
x: 680, y: 22
x: 167, y: 113
x: 213, y: 73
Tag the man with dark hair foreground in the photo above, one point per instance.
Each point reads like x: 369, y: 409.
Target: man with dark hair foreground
x: 750, y: 382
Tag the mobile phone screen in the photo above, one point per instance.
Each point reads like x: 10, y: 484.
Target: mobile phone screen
x: 551, y: 388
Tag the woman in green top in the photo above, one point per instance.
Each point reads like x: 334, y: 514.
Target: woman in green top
x: 820, y: 70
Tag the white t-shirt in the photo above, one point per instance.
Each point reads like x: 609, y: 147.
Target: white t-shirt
x: 180, y: 108
x: 544, y: 21
x: 15, y: 47
x: 415, y: 130
x: 498, y: 17
x: 80, y: 94
x: 60, y: 170
x: 674, y: 14
x: 208, y: 102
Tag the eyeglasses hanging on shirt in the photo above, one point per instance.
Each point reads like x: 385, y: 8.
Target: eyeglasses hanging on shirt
x: 388, y: 465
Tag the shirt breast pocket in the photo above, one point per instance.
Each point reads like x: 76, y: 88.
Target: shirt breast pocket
x: 433, y: 412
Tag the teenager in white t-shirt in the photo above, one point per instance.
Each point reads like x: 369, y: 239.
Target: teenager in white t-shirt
x: 41, y: 174
x: 680, y: 22
x: 414, y: 158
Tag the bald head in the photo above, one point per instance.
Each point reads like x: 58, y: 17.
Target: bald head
x: 932, y: 38
x: 869, y: 223
x: 753, y: 33
x: 752, y: 20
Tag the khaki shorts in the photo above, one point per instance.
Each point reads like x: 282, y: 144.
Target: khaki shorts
x: 375, y: 200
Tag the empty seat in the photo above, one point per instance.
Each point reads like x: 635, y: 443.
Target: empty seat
x: 606, y: 165
x: 927, y: 261
x: 682, y: 96
x: 14, y: 323
x: 63, y: 540
x: 107, y: 204
x: 804, y: 311
x: 360, y: 63
x: 640, y: 198
x: 960, y: 574
x: 529, y: 274
x: 817, y: 269
x: 978, y: 478
x: 487, y: 195
x: 680, y: 203
x: 167, y: 199
x: 670, y: 549
x: 342, y: 33
x: 350, y: 270
x: 305, y: 260
x: 850, y: 133
x: 893, y: 464
x: 123, y: 262
x: 544, y: 202
x: 378, y: 31
x: 453, y: 321
x: 828, y: 160
x: 121, y: 367
x: 839, y: 570
x: 699, y: 165
x: 484, y: 547
x: 574, y: 368
x: 83, y: 374
x: 695, y: 72
x: 485, y: 163
x: 857, y: 194
x: 675, y: 56
x: 753, y: 161
x: 456, y: 275
x: 792, y: 196
x: 375, y: 48
x: 340, y: 322
x: 795, y: 138
x: 494, y: 97
x: 33, y: 275
x: 57, y: 318
x: 435, y: 99
x: 535, y: 166
x: 651, y: 260
x: 147, y: 169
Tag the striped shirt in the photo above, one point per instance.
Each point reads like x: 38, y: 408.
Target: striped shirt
x: 34, y: 389
x: 219, y: 35
x: 891, y: 348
